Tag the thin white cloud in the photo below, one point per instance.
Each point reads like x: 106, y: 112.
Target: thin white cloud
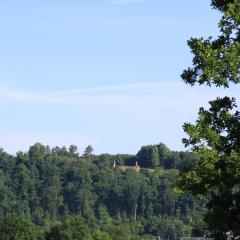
x: 145, y: 113
x: 120, y: 2
x: 175, y: 93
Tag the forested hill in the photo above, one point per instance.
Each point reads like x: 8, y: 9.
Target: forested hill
x: 64, y: 193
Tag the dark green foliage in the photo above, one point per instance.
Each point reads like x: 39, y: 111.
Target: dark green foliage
x: 101, y: 235
x: 215, y: 135
x: 216, y: 62
x: 121, y: 232
x: 88, y: 152
x: 171, y: 161
x: 51, y: 185
x: 73, y: 150
x: 167, y: 228
x: 164, y: 151
x: 17, y: 228
x: 148, y: 156
x: 72, y: 228
x: 153, y: 156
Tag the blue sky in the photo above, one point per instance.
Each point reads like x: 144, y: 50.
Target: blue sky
x: 100, y: 72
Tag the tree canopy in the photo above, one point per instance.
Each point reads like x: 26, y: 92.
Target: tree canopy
x: 68, y: 196
x: 215, y: 135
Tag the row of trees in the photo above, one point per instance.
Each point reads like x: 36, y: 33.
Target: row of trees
x: 153, y: 156
x: 47, y: 187
x: 14, y: 227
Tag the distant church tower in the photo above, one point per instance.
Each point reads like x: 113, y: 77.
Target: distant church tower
x: 137, y: 167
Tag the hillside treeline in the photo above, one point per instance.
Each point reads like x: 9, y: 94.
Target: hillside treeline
x: 56, y: 193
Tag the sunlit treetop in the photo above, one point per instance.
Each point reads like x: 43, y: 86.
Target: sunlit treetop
x: 217, y: 61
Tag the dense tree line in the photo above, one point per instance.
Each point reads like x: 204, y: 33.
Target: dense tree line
x: 153, y: 156
x: 58, y: 194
